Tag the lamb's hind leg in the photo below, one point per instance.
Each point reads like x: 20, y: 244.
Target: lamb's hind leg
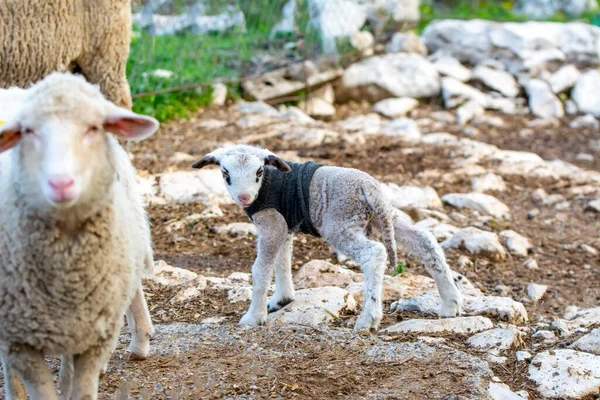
x: 423, y: 245
x: 284, y: 285
x: 372, y: 257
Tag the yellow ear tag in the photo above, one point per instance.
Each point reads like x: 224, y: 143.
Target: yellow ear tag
x: 1, y: 122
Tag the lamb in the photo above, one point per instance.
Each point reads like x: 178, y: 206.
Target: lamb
x: 74, y: 236
x: 41, y: 37
x: 339, y: 204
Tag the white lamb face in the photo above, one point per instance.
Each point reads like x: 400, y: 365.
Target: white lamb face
x: 243, y: 176
x: 61, y: 136
x: 243, y: 169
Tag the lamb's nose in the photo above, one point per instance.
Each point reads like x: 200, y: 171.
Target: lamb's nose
x: 244, y: 198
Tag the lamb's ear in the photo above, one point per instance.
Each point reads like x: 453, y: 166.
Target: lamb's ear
x: 212, y: 158
x: 10, y: 135
x: 277, y: 162
x: 129, y: 125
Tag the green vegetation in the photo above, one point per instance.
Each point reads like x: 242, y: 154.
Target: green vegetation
x: 207, y: 59
x: 400, y: 269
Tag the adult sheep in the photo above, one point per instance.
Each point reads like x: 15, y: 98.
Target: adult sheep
x: 88, y: 36
x: 74, y: 237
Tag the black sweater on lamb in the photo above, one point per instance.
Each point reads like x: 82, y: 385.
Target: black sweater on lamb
x: 288, y: 193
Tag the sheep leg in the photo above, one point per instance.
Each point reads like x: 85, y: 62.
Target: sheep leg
x: 272, y: 237
x: 372, y: 257
x: 14, y: 388
x: 65, y: 378
x: 31, y: 368
x: 284, y: 285
x: 87, y: 367
x: 423, y: 245
x: 140, y: 326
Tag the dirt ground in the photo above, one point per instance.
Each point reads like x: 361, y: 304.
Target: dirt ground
x: 310, y: 366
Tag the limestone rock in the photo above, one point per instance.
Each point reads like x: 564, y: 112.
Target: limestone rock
x: 167, y: 275
x: 515, y: 243
x: 542, y: 101
x: 586, y: 93
x: 406, y: 42
x: 564, y: 79
x: 397, y: 107
x: 488, y: 182
x: 314, y: 307
x: 319, y: 273
x: 498, y: 338
x: 409, y: 197
x: 589, y: 343
x: 536, y: 291
x: 450, y: 66
x: 565, y: 373
x: 483, y: 203
x: 500, y: 81
x: 449, y: 325
x: 476, y: 241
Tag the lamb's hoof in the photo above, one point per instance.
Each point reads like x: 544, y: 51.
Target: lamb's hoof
x: 253, y: 320
x: 139, y: 352
x: 274, y: 305
x: 137, y: 357
x: 366, y: 324
x: 451, y: 309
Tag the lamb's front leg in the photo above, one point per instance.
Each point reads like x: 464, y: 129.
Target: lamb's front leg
x: 272, y: 237
x: 140, y: 325
x: 284, y: 285
x: 31, y: 368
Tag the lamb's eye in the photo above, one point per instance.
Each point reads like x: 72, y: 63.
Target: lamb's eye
x: 28, y: 131
x: 226, y: 177
x: 259, y: 172
x: 93, y: 129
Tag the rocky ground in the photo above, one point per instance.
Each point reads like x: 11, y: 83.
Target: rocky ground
x: 520, y: 229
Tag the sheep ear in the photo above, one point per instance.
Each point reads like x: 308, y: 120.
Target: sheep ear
x: 129, y: 125
x: 277, y: 162
x: 10, y: 135
x: 208, y: 159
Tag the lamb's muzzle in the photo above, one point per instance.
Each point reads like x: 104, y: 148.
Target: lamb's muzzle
x: 342, y: 204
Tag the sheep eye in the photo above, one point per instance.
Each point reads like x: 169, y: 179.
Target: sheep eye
x: 28, y: 131
x: 93, y: 129
x: 259, y: 172
x: 226, y: 177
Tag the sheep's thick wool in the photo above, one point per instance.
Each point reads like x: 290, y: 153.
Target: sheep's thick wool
x: 289, y: 194
x: 90, y: 37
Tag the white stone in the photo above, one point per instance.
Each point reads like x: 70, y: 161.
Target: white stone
x: 484, y: 203
x: 520, y: 46
x: 571, y: 107
x: 408, y: 197
x: 476, y: 241
x: 593, y: 205
x: 450, y: 66
x: 239, y: 294
x: 469, y: 111
x: 565, y: 373
x: 396, y: 107
x: 584, y: 157
x: 391, y: 75
x: 317, y: 107
x: 586, y: 93
x: 403, y: 128
x: 500, y: 81
x: 336, y: 19
x: 585, y: 317
x: 201, y: 186
x: 167, y: 275
x: 212, y: 124
x: 309, y: 136
x: 363, y: 41
x: 503, y: 308
x: 319, y: 273
x: 162, y: 73
x: 394, y: 287
x: 589, y: 249
x: 440, y: 230
x: 523, y: 355
x: 455, y: 93
x: 488, y: 182
x: 548, y: 337
x: 536, y: 291
x: 589, y: 343
x: 498, y: 338
x: 297, y: 115
x: 501, y: 391
x: 366, y: 124
x: 219, y: 94
x: 564, y: 79
x: 585, y: 121
x: 515, y: 243
x: 544, y: 123
x: 314, y: 307
x: 256, y: 107
x: 237, y: 229
x: 254, y: 121
x: 448, y: 325
x: 542, y: 102
x: 406, y: 42
x: 542, y: 9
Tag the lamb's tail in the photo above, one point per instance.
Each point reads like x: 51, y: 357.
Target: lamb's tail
x: 383, y: 211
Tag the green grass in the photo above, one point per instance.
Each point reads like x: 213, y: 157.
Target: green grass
x: 400, y: 269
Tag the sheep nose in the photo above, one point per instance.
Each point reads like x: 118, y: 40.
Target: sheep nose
x: 61, y: 182
x: 244, y: 198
